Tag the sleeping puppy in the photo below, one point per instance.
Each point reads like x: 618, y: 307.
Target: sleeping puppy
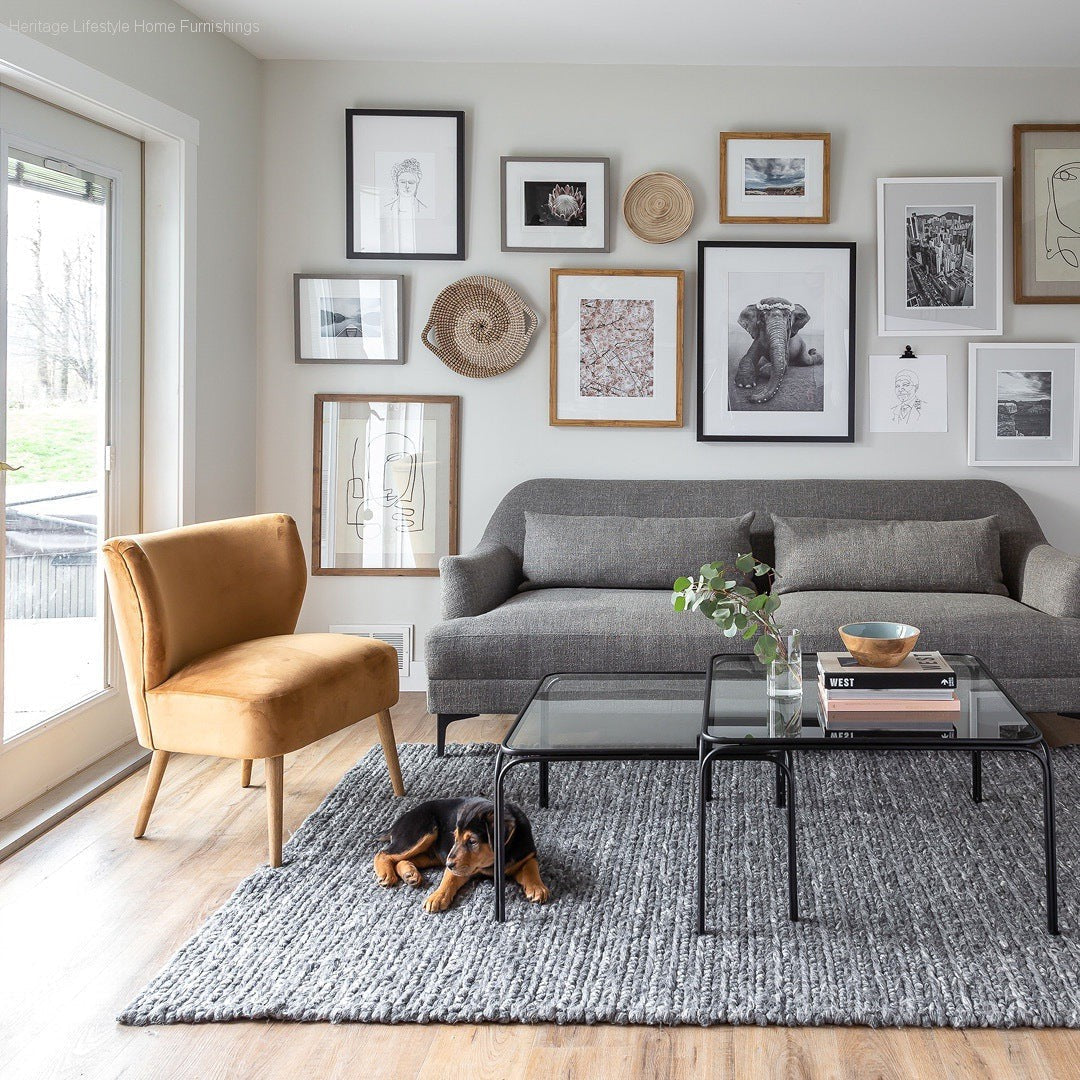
x: 457, y: 834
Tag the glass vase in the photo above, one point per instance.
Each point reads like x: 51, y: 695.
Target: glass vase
x: 784, y: 674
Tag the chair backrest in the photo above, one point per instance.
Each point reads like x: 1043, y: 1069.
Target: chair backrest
x: 180, y: 594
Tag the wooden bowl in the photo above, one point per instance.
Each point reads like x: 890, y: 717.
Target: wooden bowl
x: 879, y: 644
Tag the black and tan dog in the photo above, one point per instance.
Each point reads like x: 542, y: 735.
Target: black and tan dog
x: 458, y: 834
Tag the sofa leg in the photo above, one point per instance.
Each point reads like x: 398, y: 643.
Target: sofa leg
x: 442, y: 722
x: 389, y: 746
x: 1071, y: 715
x: 245, y: 772
x: 275, y: 797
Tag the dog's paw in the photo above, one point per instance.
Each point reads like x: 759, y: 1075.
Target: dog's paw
x: 410, y: 875
x: 538, y: 893
x: 436, y: 902
x: 385, y: 872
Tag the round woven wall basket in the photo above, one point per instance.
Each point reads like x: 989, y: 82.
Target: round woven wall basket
x: 479, y: 326
x: 658, y: 207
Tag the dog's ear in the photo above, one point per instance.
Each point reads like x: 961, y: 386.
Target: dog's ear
x: 509, y: 824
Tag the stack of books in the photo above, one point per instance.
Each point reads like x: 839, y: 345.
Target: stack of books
x: 918, y: 696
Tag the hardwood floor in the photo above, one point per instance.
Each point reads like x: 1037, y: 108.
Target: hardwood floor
x: 88, y: 915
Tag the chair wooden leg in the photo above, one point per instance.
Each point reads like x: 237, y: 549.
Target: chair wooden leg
x: 275, y: 767
x: 389, y: 746
x: 153, y: 782
x: 245, y: 772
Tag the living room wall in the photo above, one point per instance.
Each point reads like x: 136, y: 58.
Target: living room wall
x: 215, y: 81
x: 884, y: 122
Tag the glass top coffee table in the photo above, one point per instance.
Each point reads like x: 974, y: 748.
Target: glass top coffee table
x: 739, y: 721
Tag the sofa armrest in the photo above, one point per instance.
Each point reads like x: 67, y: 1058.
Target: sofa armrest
x: 1051, y: 582
x: 478, y: 581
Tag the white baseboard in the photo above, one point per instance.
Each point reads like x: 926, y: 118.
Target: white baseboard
x: 37, y: 817
x: 417, y: 677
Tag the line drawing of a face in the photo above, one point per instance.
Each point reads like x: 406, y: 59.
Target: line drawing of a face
x: 906, y: 385
x: 1061, y: 235
x: 406, y: 176
x: 908, y: 407
x: 395, y: 482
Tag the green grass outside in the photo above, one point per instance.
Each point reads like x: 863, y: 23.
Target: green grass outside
x: 56, y: 442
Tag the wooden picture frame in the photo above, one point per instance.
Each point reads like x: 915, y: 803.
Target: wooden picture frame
x: 563, y: 170
x: 353, y: 349
x: 319, y: 564
x: 728, y: 215
x: 1041, y: 241
x: 658, y: 408
x: 409, y: 239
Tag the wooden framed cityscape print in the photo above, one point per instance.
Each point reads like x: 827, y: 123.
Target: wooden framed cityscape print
x: 776, y: 341
x: 555, y: 204
x: 616, y: 348
x: 774, y: 176
x: 939, y: 256
x: 1023, y: 404
x: 385, y: 498
x: 1046, y: 213
x: 405, y: 184
x: 348, y: 318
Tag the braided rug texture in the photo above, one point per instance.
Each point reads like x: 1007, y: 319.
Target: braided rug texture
x: 919, y: 907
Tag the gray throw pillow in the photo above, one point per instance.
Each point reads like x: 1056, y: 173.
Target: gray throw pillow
x: 626, y: 552
x: 888, y: 556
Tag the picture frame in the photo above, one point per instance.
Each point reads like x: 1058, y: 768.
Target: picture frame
x: 746, y: 289
x: 349, y: 318
x: 404, y: 184
x: 1023, y: 403
x: 940, y: 251
x: 555, y: 204
x: 385, y: 484
x: 909, y: 395
x: 616, y: 348
x: 1046, y: 213
x: 774, y: 177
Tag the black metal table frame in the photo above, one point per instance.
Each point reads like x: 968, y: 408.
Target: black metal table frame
x: 732, y: 749
x: 507, y: 758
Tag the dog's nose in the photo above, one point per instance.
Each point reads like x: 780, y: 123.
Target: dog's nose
x: 450, y: 864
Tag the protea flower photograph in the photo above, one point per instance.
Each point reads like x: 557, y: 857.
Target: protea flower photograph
x: 557, y: 205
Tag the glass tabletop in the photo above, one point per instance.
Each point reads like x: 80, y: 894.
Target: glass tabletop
x: 612, y: 714
x: 739, y: 711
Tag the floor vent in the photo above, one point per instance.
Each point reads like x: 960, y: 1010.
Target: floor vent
x: 400, y: 637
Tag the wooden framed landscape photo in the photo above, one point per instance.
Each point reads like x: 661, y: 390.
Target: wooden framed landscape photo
x: 1023, y: 404
x: 939, y: 256
x: 348, y: 319
x: 405, y: 184
x: 555, y: 204
x: 774, y: 176
x: 1046, y: 213
x: 616, y: 348
x: 776, y: 341
x: 385, y: 497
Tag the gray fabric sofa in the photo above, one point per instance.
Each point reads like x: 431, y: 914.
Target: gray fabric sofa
x: 497, y: 638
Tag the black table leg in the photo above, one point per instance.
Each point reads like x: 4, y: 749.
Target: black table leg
x: 787, y: 769
x: 1049, y: 839
x: 543, y: 785
x: 704, y: 768
x: 780, y: 783
x: 501, y: 769
x: 976, y: 776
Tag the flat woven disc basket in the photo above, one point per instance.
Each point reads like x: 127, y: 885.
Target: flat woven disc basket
x: 658, y: 206
x: 480, y: 326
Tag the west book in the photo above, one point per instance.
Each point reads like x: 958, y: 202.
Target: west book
x: 917, y: 671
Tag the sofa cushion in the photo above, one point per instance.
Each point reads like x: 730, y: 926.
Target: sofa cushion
x: 551, y: 630
x: 626, y: 552
x: 902, y: 556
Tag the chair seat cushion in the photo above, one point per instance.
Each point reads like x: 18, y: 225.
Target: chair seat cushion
x: 273, y: 695
x: 550, y: 630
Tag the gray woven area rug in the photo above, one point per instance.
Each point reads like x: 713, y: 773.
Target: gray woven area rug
x: 920, y: 907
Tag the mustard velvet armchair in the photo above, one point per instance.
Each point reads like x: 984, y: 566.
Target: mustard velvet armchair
x: 206, y: 616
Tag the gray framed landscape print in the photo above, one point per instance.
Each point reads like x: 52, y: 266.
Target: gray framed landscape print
x: 939, y: 256
x: 555, y: 204
x: 385, y: 492
x: 348, y: 319
x: 1023, y: 404
x: 405, y: 184
x: 776, y: 341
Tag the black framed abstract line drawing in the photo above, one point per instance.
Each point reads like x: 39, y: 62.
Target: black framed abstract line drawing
x: 776, y: 341
x: 405, y: 184
x: 555, y: 204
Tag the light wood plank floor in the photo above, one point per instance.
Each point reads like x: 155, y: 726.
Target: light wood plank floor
x: 88, y: 915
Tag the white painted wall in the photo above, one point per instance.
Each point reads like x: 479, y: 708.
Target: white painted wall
x: 215, y: 81
x: 883, y: 122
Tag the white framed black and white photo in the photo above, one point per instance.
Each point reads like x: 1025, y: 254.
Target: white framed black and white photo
x: 348, y: 318
x: 909, y: 395
x: 555, y: 204
x: 776, y: 341
x: 405, y: 184
x: 939, y: 256
x: 1023, y: 403
x: 777, y: 177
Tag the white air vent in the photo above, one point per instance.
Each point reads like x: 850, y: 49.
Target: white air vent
x: 400, y: 637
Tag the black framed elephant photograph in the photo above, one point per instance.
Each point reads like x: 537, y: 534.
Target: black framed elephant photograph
x: 776, y: 341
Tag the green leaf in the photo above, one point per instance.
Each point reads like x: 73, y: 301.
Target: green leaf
x: 744, y: 591
x: 679, y: 603
x: 756, y: 603
x: 730, y: 630
x: 750, y: 631
x: 740, y: 620
x: 771, y: 603
x: 707, y: 607
x: 682, y: 584
x: 708, y: 571
x: 761, y: 569
x: 745, y: 563
x: 765, y: 649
